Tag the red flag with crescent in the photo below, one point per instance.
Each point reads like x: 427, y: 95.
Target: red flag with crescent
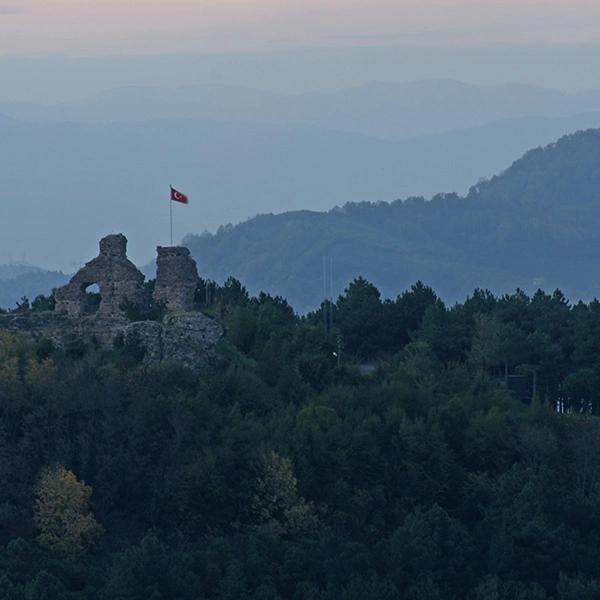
x: 177, y: 196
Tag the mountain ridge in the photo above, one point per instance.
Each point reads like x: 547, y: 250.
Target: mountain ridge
x: 502, y: 235
x: 386, y: 110
x: 17, y: 281
x: 231, y: 171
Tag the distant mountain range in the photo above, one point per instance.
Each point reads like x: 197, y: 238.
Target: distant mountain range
x: 79, y: 181
x: 535, y: 225
x: 17, y: 281
x: 75, y: 171
x: 379, y: 109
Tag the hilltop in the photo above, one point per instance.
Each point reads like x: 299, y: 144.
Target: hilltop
x: 464, y: 467
x: 534, y: 225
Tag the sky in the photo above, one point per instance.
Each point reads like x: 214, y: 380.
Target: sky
x: 109, y: 27
x: 63, y: 51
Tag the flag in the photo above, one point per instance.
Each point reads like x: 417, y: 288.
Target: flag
x: 178, y: 196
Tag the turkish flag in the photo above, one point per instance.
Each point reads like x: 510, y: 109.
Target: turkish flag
x: 178, y: 196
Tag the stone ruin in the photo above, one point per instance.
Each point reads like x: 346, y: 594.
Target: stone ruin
x: 176, y: 278
x: 184, y: 335
x: 120, y: 281
x: 117, y: 278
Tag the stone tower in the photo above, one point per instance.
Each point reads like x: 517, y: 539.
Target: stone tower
x: 176, y: 278
x: 117, y: 278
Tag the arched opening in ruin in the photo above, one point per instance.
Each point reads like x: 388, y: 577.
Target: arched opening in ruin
x: 92, y: 298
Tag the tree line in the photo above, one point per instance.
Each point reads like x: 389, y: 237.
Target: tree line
x: 282, y: 472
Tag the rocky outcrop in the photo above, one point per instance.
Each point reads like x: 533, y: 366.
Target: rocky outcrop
x: 147, y: 335
x: 188, y: 339
x: 176, y: 278
x: 117, y: 278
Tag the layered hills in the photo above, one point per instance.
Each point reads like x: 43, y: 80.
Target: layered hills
x: 92, y: 165
x: 533, y: 226
x: 79, y: 181
x: 17, y: 281
x: 381, y: 109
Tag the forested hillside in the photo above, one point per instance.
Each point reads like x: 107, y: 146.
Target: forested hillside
x: 535, y: 225
x: 17, y: 281
x: 282, y: 472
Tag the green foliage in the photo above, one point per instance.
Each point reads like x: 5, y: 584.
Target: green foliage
x: 276, y: 474
x: 43, y: 303
x: 147, y: 309
x: 23, y: 305
x: 276, y: 501
x: 75, y: 347
x: 61, y: 513
x: 16, y: 281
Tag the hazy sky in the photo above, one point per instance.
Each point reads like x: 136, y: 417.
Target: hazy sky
x: 54, y: 51
x: 84, y: 27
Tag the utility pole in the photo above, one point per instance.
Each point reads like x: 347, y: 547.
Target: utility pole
x: 534, y: 390
x: 338, y: 353
x: 325, y: 302
x: 330, y: 294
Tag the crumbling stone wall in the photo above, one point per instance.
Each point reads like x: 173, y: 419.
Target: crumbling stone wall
x: 117, y: 278
x: 176, y: 278
x: 184, y: 336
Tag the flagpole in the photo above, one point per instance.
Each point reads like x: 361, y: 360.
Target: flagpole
x: 171, y: 215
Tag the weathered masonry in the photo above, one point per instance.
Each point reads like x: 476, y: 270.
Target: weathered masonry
x: 117, y: 278
x: 176, y: 278
x: 184, y: 335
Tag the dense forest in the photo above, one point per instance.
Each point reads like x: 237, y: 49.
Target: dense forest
x: 371, y: 450
x: 535, y: 225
